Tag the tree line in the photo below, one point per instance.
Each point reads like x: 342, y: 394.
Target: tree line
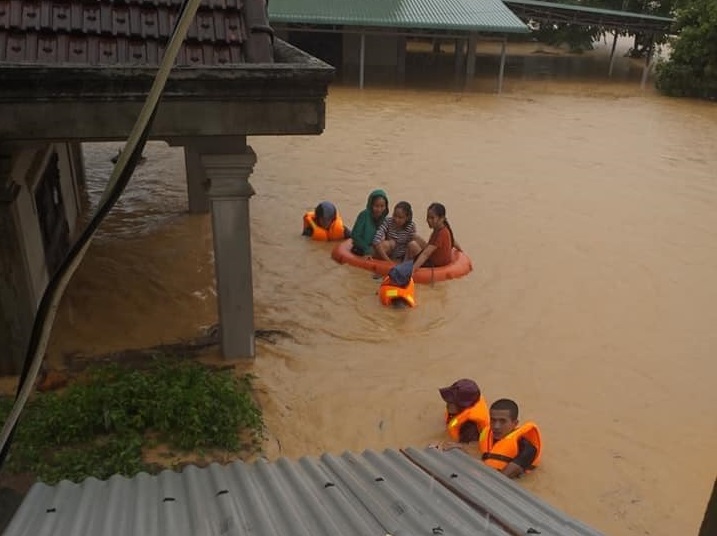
x: 691, y: 70
x: 691, y: 67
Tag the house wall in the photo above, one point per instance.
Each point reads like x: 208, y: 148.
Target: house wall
x: 384, y: 57
x: 24, y: 271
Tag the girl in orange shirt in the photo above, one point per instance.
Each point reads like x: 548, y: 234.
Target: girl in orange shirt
x: 438, y: 251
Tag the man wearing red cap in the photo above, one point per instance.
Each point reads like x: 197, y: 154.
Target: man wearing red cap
x: 503, y: 443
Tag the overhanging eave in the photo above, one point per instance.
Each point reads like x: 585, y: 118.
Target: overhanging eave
x: 93, y: 103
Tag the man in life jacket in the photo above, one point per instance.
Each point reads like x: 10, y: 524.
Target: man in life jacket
x: 325, y: 223
x: 506, y: 445
x: 466, y: 410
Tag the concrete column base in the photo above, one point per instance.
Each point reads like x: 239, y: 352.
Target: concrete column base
x: 229, y: 192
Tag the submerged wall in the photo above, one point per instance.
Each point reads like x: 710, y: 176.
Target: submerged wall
x: 384, y: 57
x: 41, y: 201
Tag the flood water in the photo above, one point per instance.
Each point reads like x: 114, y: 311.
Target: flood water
x: 590, y: 214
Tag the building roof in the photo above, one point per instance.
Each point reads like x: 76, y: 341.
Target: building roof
x: 130, y: 32
x: 374, y: 493
x: 98, y: 59
x: 587, y: 15
x: 444, y: 15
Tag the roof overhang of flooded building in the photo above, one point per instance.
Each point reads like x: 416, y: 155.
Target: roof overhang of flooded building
x: 81, y: 71
x: 588, y: 16
x: 450, y: 17
x: 69, y: 102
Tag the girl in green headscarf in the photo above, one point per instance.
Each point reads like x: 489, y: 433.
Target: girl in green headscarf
x: 368, y: 221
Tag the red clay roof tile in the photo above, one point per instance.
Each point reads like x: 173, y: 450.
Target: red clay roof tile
x: 123, y: 32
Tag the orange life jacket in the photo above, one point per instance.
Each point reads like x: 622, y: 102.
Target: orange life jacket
x: 498, y: 454
x: 477, y: 413
x: 335, y: 232
x: 388, y: 293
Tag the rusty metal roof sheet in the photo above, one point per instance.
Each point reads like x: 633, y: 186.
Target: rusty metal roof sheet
x: 374, y: 493
x: 443, y: 15
x: 126, y: 32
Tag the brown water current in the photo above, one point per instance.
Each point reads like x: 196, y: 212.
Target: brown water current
x: 591, y: 219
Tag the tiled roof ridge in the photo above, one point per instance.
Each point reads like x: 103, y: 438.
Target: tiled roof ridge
x: 132, y: 32
x: 132, y: 19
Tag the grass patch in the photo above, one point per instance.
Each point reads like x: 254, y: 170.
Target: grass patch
x: 97, y: 426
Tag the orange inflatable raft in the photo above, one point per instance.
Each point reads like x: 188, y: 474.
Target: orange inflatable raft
x: 460, y: 266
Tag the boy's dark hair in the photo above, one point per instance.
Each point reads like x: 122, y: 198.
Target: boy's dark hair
x: 406, y: 207
x: 506, y: 404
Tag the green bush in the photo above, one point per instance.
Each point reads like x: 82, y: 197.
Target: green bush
x: 96, y: 427
x: 691, y: 70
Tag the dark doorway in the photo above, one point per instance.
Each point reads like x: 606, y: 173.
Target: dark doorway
x: 51, y: 214
x: 328, y: 47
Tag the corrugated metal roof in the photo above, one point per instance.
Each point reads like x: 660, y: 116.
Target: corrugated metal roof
x: 457, y: 15
x: 131, y: 32
x: 375, y: 493
x: 589, y: 9
x: 491, y: 492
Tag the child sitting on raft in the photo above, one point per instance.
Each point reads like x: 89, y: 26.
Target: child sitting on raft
x: 368, y: 221
x: 325, y: 223
x: 438, y: 251
x: 394, y: 240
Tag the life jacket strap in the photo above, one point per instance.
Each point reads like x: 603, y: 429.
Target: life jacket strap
x: 499, y: 457
x: 502, y: 458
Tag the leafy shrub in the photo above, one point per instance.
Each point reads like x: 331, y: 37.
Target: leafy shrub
x: 96, y: 427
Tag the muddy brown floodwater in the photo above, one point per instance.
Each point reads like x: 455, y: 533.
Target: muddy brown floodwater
x: 590, y: 213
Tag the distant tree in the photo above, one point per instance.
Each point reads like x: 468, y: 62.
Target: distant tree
x: 642, y: 42
x: 691, y: 70
x: 578, y: 38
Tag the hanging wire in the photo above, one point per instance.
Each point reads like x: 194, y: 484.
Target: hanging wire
x: 121, y: 174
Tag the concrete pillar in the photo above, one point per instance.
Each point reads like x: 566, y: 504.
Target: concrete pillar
x: 460, y: 58
x: 362, y: 60
x: 501, y: 70
x: 401, y: 61
x: 197, y: 183
x: 229, y: 192
x: 77, y: 161
x: 17, y: 306
x: 471, y: 59
x: 612, y: 54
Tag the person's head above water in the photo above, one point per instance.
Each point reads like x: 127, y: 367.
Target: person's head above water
x: 436, y: 215
x: 378, y: 204
x: 402, y: 213
x: 460, y: 395
x: 325, y: 214
x: 436, y: 219
x: 503, y: 417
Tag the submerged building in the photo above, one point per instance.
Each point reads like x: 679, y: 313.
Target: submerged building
x: 76, y: 71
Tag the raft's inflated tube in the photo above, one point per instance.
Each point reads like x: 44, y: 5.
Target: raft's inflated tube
x: 461, y: 265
